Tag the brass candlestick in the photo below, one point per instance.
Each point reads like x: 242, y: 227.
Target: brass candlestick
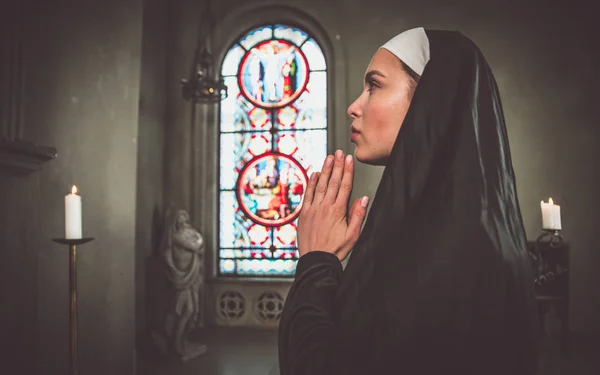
x: 73, y: 365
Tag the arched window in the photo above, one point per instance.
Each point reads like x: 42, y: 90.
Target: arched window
x: 273, y: 134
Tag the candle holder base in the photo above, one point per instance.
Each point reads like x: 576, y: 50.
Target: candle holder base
x: 555, y: 237
x: 73, y: 241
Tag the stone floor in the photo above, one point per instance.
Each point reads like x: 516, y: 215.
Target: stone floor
x: 243, y: 351
x: 231, y: 351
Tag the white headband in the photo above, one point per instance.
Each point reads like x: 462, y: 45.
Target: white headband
x: 412, y: 47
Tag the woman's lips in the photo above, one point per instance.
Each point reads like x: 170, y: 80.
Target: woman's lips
x: 355, y: 133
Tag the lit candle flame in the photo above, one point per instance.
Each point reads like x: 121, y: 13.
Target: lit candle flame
x: 550, y: 202
x: 74, y: 190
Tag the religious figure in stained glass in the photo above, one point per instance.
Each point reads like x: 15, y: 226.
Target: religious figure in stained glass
x: 273, y: 73
x: 270, y: 189
x: 273, y: 134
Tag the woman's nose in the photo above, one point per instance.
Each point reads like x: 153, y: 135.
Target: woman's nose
x: 354, y: 110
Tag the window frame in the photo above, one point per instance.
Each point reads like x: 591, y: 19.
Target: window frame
x: 271, y: 112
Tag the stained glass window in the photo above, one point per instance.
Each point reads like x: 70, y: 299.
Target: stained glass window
x: 273, y: 134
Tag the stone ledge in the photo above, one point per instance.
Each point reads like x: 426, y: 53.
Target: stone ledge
x: 249, y: 280
x: 19, y: 157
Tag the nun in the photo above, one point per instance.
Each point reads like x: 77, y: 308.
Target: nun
x: 439, y: 281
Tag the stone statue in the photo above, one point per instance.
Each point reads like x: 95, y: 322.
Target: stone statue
x: 183, y: 254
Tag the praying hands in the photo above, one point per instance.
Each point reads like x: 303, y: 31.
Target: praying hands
x: 325, y: 224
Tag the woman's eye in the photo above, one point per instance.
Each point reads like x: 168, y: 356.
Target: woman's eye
x: 371, y: 85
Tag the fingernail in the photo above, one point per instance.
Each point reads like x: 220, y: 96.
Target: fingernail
x: 348, y: 159
x: 364, y: 201
x: 328, y: 161
x: 339, y: 154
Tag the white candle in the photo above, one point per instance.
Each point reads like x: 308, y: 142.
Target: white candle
x: 73, y: 215
x: 550, y: 215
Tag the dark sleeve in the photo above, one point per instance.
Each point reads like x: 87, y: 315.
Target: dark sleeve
x: 307, y: 327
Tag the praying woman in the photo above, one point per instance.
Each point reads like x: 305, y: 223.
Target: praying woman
x: 438, y: 280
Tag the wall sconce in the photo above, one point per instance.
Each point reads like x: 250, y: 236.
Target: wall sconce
x: 202, y: 86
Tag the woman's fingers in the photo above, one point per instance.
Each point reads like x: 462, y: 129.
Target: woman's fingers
x: 358, y: 212
x: 321, y: 187
x: 346, y: 184
x: 310, y: 190
x: 336, y: 178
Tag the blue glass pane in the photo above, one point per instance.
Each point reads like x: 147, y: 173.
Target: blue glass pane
x: 232, y: 61
x: 236, y: 150
x: 235, y: 253
x: 286, y: 254
x: 256, y: 36
x: 260, y: 118
x: 315, y: 96
x: 308, y: 147
x: 238, y: 114
x: 289, y: 33
x: 314, y: 55
x: 310, y: 110
x: 232, y: 232
x: 253, y: 267
x: 267, y: 267
x: 237, y: 230
x: 227, y: 266
x: 233, y: 118
x: 286, y: 117
x: 285, y: 236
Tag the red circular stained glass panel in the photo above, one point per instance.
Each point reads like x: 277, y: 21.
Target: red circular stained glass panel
x: 273, y: 74
x: 270, y: 189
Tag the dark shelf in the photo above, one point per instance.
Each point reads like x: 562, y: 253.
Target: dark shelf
x: 19, y: 157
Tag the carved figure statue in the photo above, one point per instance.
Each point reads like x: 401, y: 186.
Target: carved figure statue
x: 183, y: 254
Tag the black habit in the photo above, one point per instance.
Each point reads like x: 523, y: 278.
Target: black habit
x: 439, y: 281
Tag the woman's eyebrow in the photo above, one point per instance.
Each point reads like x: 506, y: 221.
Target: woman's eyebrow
x: 371, y: 73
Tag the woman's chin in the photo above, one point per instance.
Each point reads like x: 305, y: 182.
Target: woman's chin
x: 367, y: 158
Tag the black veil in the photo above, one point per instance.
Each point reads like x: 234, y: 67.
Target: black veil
x: 441, y: 268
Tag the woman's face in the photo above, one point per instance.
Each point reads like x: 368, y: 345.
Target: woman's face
x: 379, y: 111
